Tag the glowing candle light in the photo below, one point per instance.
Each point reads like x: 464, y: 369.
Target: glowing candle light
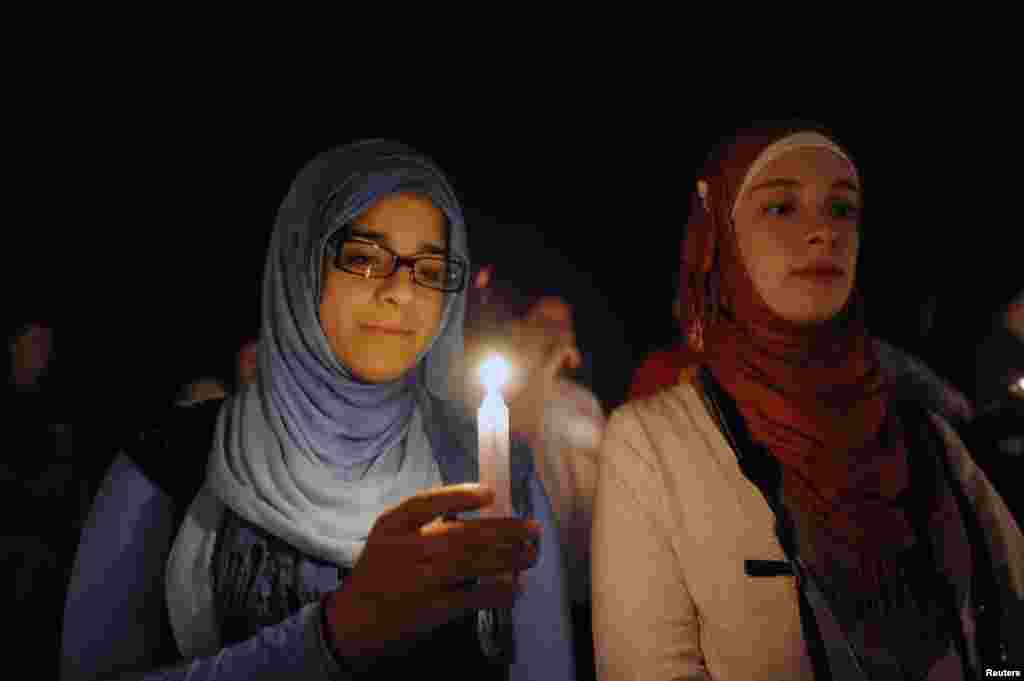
x: 493, y: 434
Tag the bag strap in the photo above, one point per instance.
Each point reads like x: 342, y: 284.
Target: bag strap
x: 173, y: 452
x: 764, y: 472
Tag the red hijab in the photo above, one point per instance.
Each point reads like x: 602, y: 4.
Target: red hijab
x: 661, y: 369
x: 814, y: 396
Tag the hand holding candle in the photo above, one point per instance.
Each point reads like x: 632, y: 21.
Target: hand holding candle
x: 493, y: 436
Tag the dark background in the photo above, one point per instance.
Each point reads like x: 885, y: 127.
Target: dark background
x: 150, y: 217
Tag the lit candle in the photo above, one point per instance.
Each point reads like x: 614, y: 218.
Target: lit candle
x: 493, y: 435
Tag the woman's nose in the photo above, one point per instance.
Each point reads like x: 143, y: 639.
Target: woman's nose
x: 398, y: 288
x: 826, y: 233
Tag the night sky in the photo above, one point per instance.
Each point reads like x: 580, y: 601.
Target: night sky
x: 178, y: 197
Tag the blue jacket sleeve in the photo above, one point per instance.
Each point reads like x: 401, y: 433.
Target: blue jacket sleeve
x: 114, y: 621
x: 543, y: 631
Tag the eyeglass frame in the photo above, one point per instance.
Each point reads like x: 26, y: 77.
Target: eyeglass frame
x: 337, y: 242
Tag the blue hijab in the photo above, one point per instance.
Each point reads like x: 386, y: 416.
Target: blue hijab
x: 322, y: 403
x: 310, y: 452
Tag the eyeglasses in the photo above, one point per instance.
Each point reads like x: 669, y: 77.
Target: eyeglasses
x: 371, y: 260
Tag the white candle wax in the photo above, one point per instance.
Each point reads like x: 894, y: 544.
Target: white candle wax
x: 493, y: 433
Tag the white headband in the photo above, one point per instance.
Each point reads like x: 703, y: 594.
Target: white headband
x: 785, y: 145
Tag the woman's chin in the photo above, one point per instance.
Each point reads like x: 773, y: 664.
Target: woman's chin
x: 813, y: 313
x: 379, y: 374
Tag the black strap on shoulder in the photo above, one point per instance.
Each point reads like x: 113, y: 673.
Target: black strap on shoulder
x: 762, y: 469
x: 173, y: 452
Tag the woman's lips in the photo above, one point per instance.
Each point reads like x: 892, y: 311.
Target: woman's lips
x: 820, y: 273
x: 389, y: 330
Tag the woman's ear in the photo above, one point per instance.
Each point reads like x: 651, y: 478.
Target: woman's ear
x: 483, y: 277
x: 702, y: 190
x: 1014, y: 317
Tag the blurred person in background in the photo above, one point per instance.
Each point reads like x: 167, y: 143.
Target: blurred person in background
x: 246, y: 362
x: 43, y: 490
x: 201, y: 390
x: 997, y: 432
x: 555, y: 412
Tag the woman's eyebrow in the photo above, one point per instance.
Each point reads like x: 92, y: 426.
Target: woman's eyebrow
x: 785, y: 183
x: 384, y: 240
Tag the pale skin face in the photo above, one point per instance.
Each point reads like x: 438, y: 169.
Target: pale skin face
x: 1015, y: 316
x: 800, y: 213
x: 248, y: 362
x: 378, y: 327
x: 32, y: 352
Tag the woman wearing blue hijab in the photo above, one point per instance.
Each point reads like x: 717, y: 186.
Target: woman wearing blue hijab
x: 323, y: 541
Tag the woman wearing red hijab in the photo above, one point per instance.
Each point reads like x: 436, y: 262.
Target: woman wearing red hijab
x: 787, y: 514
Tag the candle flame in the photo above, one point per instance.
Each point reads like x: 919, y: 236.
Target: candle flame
x: 494, y: 373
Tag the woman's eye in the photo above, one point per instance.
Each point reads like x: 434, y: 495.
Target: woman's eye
x: 779, y: 208
x: 433, y: 272
x: 364, y: 262
x: 845, y: 209
x: 358, y: 260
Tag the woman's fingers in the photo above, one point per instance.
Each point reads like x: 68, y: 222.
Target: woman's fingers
x: 414, y: 546
x: 499, y: 591
x: 463, y: 554
x: 441, y: 606
x: 420, y: 569
x: 420, y: 509
x: 486, y: 531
